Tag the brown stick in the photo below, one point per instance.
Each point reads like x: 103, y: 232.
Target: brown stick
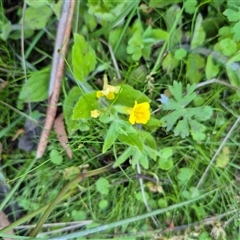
x: 63, y: 33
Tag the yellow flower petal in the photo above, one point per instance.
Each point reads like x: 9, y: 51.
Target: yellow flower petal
x: 108, y: 90
x: 110, y: 96
x: 99, y: 94
x: 95, y: 113
x: 140, y: 113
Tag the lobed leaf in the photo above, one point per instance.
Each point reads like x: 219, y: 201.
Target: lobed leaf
x: 102, y: 185
x: 203, y: 113
x: 176, y: 90
x: 182, y: 128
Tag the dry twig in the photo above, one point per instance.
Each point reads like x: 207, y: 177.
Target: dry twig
x: 63, y: 33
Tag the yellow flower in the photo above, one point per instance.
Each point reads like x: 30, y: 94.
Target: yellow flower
x: 108, y: 90
x: 95, y: 113
x: 140, y: 113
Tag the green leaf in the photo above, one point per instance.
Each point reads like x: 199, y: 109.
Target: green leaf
x: 83, y: 58
x: 195, y: 64
x: 192, y: 193
x: 223, y: 158
x: 128, y: 95
x: 123, y: 157
x: 162, y: 203
x: 171, y: 119
x: 139, y: 196
x: 176, y: 90
x: 153, y: 124
x: 186, y: 99
x: 180, y: 53
x: 57, y: 7
x: 190, y: 6
x: 139, y: 157
x: 103, y: 204
x: 232, y: 15
x: 37, y: 18
x: 160, y: 34
x: 79, y: 215
x: 111, y: 136
x: 197, y: 130
x: 162, y: 3
x: 198, y: 34
x: 131, y: 139
x: 148, y: 139
x: 198, y: 136
x: 236, y: 31
x: 182, y: 128
x: 184, y: 116
x: 106, y: 117
x: 135, y: 46
x: 6, y: 29
x: 165, y: 163
x: 211, y: 69
x: 106, y: 11
x: 228, y: 46
x: 166, y: 152
x: 90, y: 21
x: 184, y: 175
x: 150, y: 152
x: 68, y: 105
x: 55, y: 157
x: 36, y: 87
x: 37, y: 4
x: 102, y: 185
x: 204, y: 236
x: 85, y: 105
x: 203, y: 113
x: 169, y: 63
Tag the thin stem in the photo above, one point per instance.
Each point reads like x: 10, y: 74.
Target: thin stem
x: 144, y: 196
x: 23, y: 55
x: 216, y: 154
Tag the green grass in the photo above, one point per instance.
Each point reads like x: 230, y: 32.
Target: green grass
x: 198, y: 195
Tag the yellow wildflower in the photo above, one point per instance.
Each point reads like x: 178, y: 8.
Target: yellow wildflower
x: 140, y: 113
x: 108, y: 90
x: 95, y: 113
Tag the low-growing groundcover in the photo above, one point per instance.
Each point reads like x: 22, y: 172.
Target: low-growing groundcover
x: 150, y: 105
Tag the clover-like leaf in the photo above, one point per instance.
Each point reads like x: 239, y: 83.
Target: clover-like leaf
x: 102, y: 185
x: 184, y: 175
